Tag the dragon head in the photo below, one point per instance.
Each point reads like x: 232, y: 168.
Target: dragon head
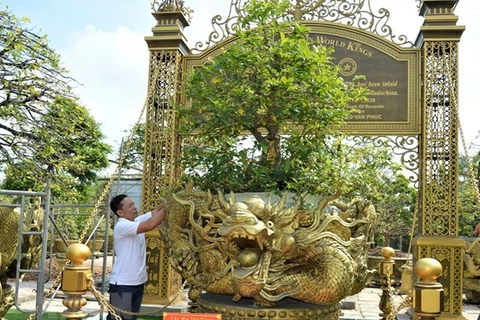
x: 248, y: 239
x: 254, y: 234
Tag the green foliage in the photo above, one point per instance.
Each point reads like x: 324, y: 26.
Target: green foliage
x: 43, y: 130
x: 277, y: 84
x: 469, y: 209
x: 14, y: 314
x: 134, y: 155
x: 395, y: 204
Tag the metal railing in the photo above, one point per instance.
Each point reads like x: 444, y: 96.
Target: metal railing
x: 45, y: 196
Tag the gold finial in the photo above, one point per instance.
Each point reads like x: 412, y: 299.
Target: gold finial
x: 77, y: 253
x: 428, y: 269
x: 167, y: 5
x: 387, y: 253
x: 172, y: 6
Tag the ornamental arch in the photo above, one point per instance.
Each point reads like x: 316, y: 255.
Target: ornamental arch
x: 413, y: 108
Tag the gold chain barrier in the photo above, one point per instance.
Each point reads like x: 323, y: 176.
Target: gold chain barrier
x: 102, y: 198
x: 77, y: 279
x: 113, y: 310
x: 406, y: 303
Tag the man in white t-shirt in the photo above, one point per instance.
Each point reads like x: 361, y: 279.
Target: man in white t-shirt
x: 129, y: 272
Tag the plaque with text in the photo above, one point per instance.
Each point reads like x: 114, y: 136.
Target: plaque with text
x: 391, y: 74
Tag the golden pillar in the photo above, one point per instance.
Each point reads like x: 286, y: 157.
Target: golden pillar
x: 439, y: 39
x: 167, y: 47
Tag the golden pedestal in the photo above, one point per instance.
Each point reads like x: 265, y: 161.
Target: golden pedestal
x: 449, y: 251
x: 74, y: 281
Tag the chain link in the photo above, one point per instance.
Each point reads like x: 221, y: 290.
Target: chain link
x: 106, y: 190
x: 55, y: 284
x: 407, y: 302
x: 412, y: 230
x: 126, y: 148
x: 112, y: 309
x: 100, y: 298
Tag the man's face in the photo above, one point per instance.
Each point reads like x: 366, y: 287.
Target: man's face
x: 129, y: 210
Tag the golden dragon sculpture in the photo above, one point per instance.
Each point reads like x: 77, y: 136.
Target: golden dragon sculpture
x: 268, y: 252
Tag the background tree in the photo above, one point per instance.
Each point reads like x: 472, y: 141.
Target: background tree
x: 134, y: 155
x: 43, y: 128
x: 395, y: 204
x: 469, y: 203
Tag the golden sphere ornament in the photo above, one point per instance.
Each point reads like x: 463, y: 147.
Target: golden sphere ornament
x: 428, y: 269
x: 77, y: 253
x: 387, y: 253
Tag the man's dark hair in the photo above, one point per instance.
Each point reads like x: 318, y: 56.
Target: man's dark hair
x: 116, y: 203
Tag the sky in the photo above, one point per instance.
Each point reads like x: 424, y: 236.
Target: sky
x: 102, y: 43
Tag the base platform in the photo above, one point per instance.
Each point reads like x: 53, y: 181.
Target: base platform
x: 246, y: 310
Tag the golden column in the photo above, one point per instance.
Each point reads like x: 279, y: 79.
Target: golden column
x: 167, y: 47
x: 439, y: 38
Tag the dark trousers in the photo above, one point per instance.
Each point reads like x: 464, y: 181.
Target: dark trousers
x: 128, y: 298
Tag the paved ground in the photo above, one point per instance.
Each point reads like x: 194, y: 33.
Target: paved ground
x: 361, y: 306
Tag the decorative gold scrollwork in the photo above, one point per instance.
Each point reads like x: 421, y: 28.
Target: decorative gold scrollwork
x: 357, y: 13
x: 405, y: 148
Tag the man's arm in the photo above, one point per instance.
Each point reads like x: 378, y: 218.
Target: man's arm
x: 158, y: 215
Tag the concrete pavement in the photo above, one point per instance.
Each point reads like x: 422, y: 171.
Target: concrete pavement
x: 360, y: 306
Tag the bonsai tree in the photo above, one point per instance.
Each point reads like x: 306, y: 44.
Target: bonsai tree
x: 266, y: 112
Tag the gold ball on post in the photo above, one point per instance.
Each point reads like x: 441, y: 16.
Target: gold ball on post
x: 387, y: 253
x: 77, y: 253
x: 193, y: 294
x: 428, y: 269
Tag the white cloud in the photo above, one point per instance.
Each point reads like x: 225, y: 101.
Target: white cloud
x: 112, y: 68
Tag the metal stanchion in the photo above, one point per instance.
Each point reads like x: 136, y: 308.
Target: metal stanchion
x: 428, y: 294
x: 74, y: 281
x: 193, y: 296
x: 386, y: 270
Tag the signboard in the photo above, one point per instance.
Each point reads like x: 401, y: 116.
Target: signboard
x: 190, y: 316
x: 391, y: 74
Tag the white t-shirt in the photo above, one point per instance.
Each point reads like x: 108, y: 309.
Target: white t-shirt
x: 129, y: 268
